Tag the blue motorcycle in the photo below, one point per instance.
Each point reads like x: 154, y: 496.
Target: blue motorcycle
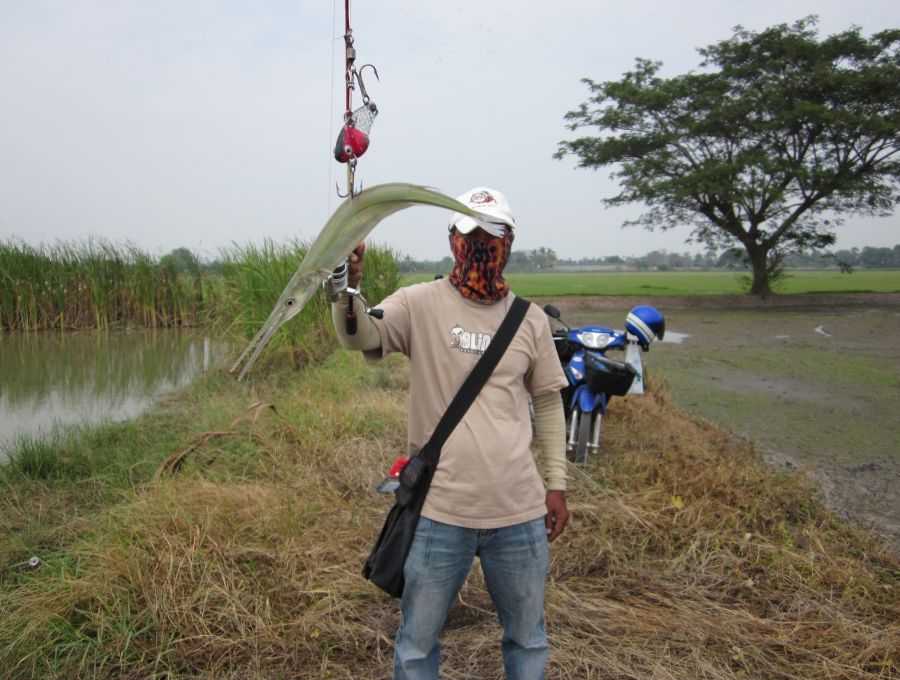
x: 594, y: 378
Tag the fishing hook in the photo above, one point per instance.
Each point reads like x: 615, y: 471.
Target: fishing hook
x: 351, y: 181
x: 362, y: 86
x: 354, y: 76
x: 353, y: 193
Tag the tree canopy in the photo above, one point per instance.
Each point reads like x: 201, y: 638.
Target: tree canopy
x: 765, y: 147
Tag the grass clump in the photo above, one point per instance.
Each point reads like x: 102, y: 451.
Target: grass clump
x: 685, y: 556
x: 35, y: 458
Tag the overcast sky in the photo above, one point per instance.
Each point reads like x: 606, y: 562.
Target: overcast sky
x: 203, y: 123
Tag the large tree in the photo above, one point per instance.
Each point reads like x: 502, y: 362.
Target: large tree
x: 765, y: 147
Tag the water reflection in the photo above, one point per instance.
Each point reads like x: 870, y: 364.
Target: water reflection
x: 87, y: 378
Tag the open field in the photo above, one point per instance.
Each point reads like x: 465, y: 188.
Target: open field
x: 221, y: 536
x: 812, y: 380
x: 689, y: 283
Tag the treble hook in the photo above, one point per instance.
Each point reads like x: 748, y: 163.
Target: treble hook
x: 352, y: 191
x: 362, y: 85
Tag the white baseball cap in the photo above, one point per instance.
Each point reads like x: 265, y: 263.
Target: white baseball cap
x: 487, y: 202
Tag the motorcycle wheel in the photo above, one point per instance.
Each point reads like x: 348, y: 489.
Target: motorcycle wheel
x: 583, y: 438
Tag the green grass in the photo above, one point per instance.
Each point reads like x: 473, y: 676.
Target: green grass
x: 115, y: 456
x: 552, y: 284
x: 244, y: 560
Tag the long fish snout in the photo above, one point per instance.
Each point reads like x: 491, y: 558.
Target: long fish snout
x: 291, y: 303
x: 260, y: 342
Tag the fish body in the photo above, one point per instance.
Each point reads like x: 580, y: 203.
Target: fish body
x: 345, y: 229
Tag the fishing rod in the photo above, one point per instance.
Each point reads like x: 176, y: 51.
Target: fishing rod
x: 352, y: 142
x: 353, y: 139
x: 325, y: 262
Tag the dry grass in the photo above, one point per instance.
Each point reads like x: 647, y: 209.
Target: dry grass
x: 685, y: 558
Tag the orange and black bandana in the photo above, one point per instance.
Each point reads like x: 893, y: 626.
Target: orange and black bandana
x: 478, y: 273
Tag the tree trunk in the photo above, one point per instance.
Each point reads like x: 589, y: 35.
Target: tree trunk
x: 760, y: 267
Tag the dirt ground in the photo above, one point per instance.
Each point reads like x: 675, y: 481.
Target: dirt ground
x: 813, y: 380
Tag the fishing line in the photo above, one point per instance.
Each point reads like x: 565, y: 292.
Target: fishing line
x: 334, y: 39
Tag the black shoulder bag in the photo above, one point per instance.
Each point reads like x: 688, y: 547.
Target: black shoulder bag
x: 384, y: 567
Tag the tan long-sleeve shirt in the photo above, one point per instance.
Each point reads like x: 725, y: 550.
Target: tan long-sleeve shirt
x: 487, y: 476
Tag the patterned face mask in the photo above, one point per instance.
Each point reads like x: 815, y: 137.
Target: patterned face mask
x: 478, y: 272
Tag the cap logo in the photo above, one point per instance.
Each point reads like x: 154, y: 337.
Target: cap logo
x: 481, y: 197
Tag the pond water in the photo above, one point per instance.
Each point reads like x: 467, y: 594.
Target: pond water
x: 87, y: 378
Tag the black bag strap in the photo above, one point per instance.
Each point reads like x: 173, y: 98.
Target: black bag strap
x: 475, y: 380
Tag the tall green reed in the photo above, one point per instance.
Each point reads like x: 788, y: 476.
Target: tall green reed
x: 92, y: 284
x: 255, y: 275
x: 382, y: 276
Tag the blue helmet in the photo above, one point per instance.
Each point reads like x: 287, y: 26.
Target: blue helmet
x: 646, y: 323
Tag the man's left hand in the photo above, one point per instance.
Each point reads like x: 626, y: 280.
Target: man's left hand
x: 557, y: 514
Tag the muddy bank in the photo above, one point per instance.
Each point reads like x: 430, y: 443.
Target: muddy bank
x: 813, y: 380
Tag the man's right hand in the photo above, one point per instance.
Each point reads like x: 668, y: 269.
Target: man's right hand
x: 355, y: 265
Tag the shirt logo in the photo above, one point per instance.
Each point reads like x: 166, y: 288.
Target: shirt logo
x: 470, y: 342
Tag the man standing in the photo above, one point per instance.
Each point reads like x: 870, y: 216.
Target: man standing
x: 487, y: 497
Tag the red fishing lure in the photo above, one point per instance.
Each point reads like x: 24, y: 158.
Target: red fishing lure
x: 351, y: 143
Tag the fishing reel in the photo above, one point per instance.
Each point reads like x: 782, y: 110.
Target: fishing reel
x: 336, y: 283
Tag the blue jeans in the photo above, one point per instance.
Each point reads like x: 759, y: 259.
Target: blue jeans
x: 514, y: 560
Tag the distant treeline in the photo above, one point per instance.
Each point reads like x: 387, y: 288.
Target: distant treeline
x: 98, y: 284
x: 544, y: 259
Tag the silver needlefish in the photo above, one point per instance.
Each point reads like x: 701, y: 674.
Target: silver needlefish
x: 346, y: 229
